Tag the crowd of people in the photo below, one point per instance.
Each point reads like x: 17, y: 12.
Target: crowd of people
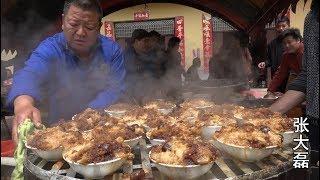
x: 305, y: 87
x: 79, y: 68
x: 151, y: 67
x: 159, y: 72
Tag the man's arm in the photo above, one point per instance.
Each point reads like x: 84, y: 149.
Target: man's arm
x: 296, y: 90
x: 35, y: 72
x: 111, y: 94
x: 25, y: 88
x: 289, y: 100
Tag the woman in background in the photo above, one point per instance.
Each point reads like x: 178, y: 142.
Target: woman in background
x: 233, y: 61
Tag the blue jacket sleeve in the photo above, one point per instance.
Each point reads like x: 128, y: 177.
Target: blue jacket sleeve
x: 27, y: 80
x: 113, y: 92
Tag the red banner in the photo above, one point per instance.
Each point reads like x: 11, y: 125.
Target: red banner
x: 207, y: 42
x: 179, y: 32
x: 140, y: 16
x: 108, y: 29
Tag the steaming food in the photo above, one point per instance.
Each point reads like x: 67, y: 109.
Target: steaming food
x: 71, y: 139
x: 47, y: 139
x: 247, y: 113
x: 184, y: 152
x: 248, y: 135
x: 139, y: 116
x: 115, y: 131
x: 179, y: 129
x: 88, y: 119
x: 98, y: 151
x: 209, y: 119
x: 276, y: 124
x: 69, y: 126
x: 121, y: 107
x: 53, y: 138
x: 184, y: 113
x: 159, y: 104
x: 217, y: 115
x: 159, y: 121
x: 197, y: 103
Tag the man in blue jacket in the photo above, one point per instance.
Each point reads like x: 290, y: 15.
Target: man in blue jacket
x: 78, y: 69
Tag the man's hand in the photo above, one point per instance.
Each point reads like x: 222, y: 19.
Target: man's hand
x: 24, y: 109
x: 262, y: 65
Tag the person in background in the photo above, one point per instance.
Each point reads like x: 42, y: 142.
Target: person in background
x: 173, y: 68
x: 136, y: 51
x: 291, y: 61
x: 192, y: 73
x: 275, y: 50
x: 173, y: 61
x: 220, y: 63
x: 156, y: 54
x: 142, y: 71
x: 79, y: 68
x: 155, y: 41
x: 231, y: 62
x: 246, y: 56
x: 134, y: 63
x: 306, y: 85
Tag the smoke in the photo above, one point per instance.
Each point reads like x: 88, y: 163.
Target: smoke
x: 230, y: 61
x: 24, y: 31
x: 25, y: 24
x: 228, y: 64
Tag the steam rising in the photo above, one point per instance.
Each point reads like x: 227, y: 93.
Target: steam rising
x: 24, y: 24
x: 24, y: 35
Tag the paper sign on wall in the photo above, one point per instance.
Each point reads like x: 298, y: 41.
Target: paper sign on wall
x: 179, y: 32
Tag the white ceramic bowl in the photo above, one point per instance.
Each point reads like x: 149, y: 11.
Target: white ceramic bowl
x: 182, y: 172
x: 203, y: 107
x: 146, y: 127
x: 98, y: 170
x: 116, y: 114
x: 132, y: 142
x: 245, y: 154
x: 166, y: 111
x: 155, y: 141
x: 49, y: 155
x: 208, y: 131
x: 288, y: 137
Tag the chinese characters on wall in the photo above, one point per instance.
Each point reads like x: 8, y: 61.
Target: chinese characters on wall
x: 207, y: 42
x: 179, y: 32
x: 141, y: 15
